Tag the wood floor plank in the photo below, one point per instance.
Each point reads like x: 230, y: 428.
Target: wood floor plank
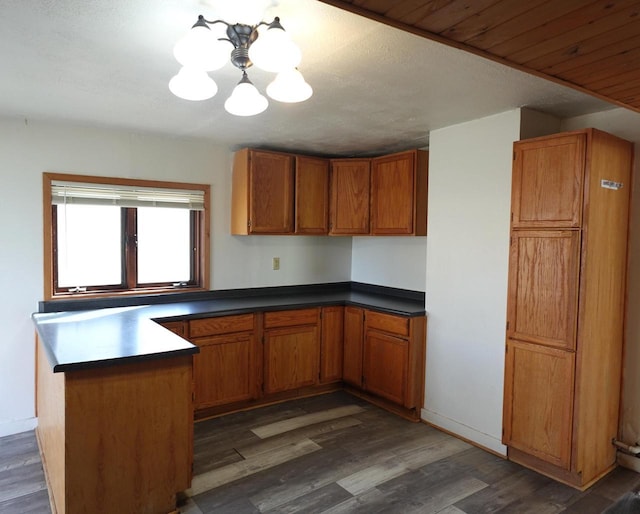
x: 307, y: 432
x: 21, y: 481
x: 287, y: 425
x: 304, y: 475
x: 451, y: 509
x: 589, y: 503
x: 504, y: 493
x: 30, y: 503
x: 450, y: 494
x: 432, y: 452
x: 368, y: 478
x: 532, y: 505
x: 367, y: 503
x: 266, y: 460
x: 621, y: 481
x: 314, y: 501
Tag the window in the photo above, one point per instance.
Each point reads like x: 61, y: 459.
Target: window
x: 113, y: 236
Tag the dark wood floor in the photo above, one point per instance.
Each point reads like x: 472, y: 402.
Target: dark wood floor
x: 335, y: 454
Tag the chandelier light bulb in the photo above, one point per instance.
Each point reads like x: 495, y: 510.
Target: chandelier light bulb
x: 289, y: 86
x: 273, y: 50
x: 201, y: 48
x: 192, y: 84
x: 245, y: 100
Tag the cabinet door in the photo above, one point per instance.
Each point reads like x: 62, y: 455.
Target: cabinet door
x: 291, y: 358
x: 538, y: 406
x: 331, y: 344
x: 353, y: 343
x: 270, y: 193
x: 547, y: 182
x: 385, y: 365
x: 225, y: 370
x: 543, y: 287
x: 393, y: 194
x: 350, y: 184
x: 312, y: 195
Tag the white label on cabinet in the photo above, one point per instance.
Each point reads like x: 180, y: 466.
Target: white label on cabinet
x: 610, y: 184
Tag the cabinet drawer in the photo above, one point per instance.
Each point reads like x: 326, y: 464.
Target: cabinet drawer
x: 220, y: 325
x: 177, y: 327
x: 388, y: 323
x: 290, y: 318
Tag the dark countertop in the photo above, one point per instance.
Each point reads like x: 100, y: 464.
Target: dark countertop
x: 80, y: 339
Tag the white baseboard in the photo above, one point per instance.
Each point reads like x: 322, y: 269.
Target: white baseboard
x: 464, y: 431
x: 629, y: 461
x: 17, y: 426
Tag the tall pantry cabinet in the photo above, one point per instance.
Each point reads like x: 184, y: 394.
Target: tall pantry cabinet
x: 565, y: 308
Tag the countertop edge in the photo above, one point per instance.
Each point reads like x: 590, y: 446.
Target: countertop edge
x: 65, y: 335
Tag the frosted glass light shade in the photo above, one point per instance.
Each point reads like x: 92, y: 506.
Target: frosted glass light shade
x: 274, y: 51
x: 201, y: 48
x: 193, y: 84
x: 289, y: 86
x: 245, y: 100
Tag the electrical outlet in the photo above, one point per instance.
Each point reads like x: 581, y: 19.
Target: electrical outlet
x: 276, y: 263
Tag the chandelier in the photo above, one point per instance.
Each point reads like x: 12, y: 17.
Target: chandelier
x: 210, y: 44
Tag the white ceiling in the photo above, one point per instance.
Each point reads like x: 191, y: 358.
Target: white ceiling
x: 376, y: 89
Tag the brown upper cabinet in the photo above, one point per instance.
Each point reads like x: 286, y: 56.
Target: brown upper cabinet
x: 548, y: 182
x: 399, y: 194
x: 350, y: 179
x: 280, y: 193
x: 262, y: 196
x: 312, y: 195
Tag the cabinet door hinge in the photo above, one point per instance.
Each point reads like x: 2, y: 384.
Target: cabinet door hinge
x: 507, y: 325
x: 514, y: 156
x: 262, y: 387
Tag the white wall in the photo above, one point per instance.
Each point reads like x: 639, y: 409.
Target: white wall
x: 466, y: 275
x: 390, y: 261
x: 29, y: 148
x: 626, y: 124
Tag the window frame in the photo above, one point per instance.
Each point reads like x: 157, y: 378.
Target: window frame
x: 200, y: 238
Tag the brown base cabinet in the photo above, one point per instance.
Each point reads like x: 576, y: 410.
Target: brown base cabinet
x: 291, y: 349
x: 253, y: 359
x: 565, y: 303
x: 116, y: 438
x: 353, y: 343
x: 225, y: 370
x: 331, y: 347
x: 384, y: 358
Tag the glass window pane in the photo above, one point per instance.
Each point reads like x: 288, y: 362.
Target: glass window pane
x: 89, y: 245
x: 164, y: 245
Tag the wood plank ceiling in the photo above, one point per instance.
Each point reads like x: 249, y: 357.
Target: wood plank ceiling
x: 592, y: 46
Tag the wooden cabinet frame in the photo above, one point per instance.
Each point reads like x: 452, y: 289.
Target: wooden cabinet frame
x: 566, y: 295
x: 279, y: 355
x: 276, y: 193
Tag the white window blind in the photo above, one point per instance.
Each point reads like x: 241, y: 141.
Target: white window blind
x: 125, y: 196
